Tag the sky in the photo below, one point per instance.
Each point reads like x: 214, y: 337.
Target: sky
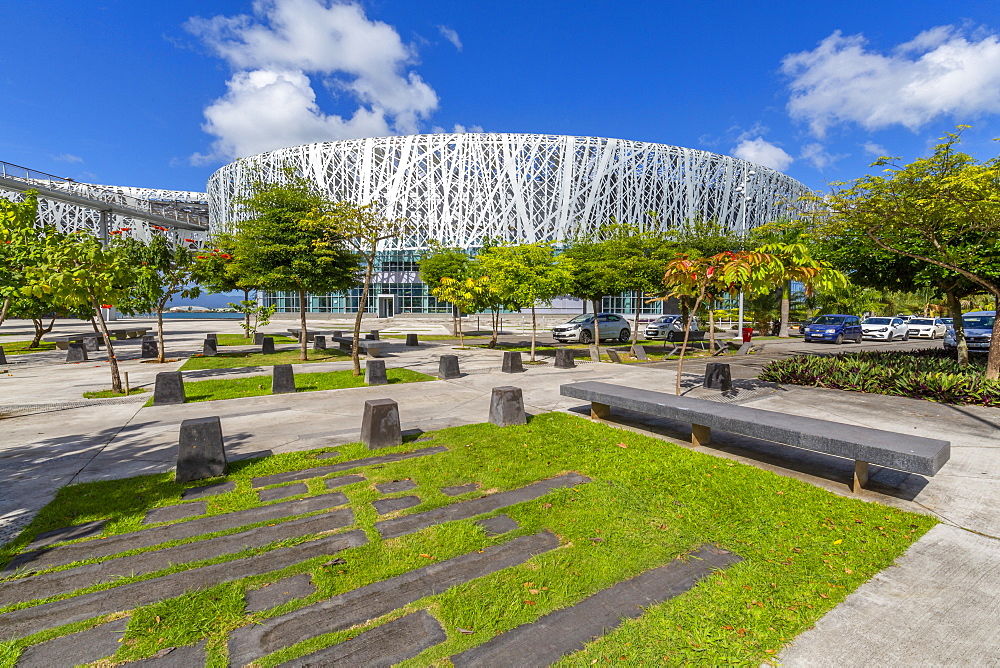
x: 161, y: 94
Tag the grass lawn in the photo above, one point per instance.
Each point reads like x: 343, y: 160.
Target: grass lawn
x: 105, y: 394
x: 240, y: 340
x: 21, y: 347
x: 258, y: 386
x: 248, y: 358
x: 431, y: 337
x: 650, y: 501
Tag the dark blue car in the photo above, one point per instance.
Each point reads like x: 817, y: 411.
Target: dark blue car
x: 834, y: 327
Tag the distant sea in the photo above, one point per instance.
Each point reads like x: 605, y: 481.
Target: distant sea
x: 197, y: 316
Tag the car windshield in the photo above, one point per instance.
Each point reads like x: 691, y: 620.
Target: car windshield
x: 876, y: 321
x: 829, y: 320
x: 586, y: 317
x: 977, y: 321
x: 667, y: 318
x: 921, y: 321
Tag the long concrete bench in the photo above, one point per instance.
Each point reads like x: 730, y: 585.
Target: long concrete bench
x: 369, y: 347
x: 903, y: 452
x: 62, y: 341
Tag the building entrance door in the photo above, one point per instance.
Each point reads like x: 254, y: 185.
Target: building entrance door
x: 386, y: 306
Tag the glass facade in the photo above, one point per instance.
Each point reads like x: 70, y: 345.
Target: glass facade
x: 407, y: 298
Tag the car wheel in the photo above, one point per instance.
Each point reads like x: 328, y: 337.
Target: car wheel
x: 586, y: 337
x: 807, y: 339
x: 906, y: 337
x: 623, y: 336
x: 933, y: 335
x: 840, y: 339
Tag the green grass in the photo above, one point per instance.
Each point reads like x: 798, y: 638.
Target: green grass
x: 258, y: 386
x: 240, y: 340
x: 433, y: 337
x: 21, y: 347
x: 240, y: 359
x: 804, y: 549
x: 106, y: 394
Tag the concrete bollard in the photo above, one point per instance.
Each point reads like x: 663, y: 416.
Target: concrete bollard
x: 448, y: 367
x: 267, y: 345
x: 375, y: 373
x: 3, y: 356
x: 564, y: 358
x: 511, y: 362
x: 718, y: 377
x: 91, y: 343
x: 319, y: 342
x: 595, y: 353
x: 150, y: 347
x: 169, y: 388
x: 411, y: 340
x: 201, y: 452
x: 213, y: 336
x: 282, y: 379
x: 210, y: 348
x: 76, y: 352
x: 258, y: 338
x: 375, y: 335
x: 337, y: 333
x: 640, y: 353
x: 380, y: 424
x: 371, y: 337
x: 507, y: 406
x: 614, y: 356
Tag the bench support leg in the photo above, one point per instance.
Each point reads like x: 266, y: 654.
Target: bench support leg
x: 860, y: 475
x: 600, y: 411
x: 700, y: 435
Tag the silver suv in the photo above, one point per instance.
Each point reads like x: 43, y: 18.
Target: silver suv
x: 978, y: 326
x: 581, y: 328
x: 669, y: 327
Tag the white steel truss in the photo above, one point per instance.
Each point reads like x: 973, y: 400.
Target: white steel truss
x: 461, y: 188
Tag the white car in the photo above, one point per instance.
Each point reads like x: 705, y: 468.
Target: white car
x: 669, y: 327
x: 581, y: 328
x: 884, y: 329
x: 926, y: 328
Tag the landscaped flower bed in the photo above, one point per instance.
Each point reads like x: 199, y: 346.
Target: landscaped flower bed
x: 931, y: 373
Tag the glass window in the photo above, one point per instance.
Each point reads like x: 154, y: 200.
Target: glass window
x: 978, y: 321
x: 879, y: 321
x: 829, y: 320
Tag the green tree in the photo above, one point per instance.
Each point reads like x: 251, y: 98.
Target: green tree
x: 216, y: 272
x: 21, y: 245
x: 169, y: 271
x: 467, y: 294
x: 79, y: 272
x: 290, y: 244
x: 445, y: 262
x: 527, y: 275
x: 943, y: 210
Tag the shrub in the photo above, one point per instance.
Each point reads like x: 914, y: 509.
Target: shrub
x: 931, y: 374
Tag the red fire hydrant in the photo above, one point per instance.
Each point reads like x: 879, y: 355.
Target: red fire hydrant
x: 747, y: 334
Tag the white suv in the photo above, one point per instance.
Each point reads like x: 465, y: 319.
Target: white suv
x: 581, y: 328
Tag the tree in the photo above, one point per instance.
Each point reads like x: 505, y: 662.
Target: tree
x: 216, y: 272
x: 467, y: 294
x: 79, y: 272
x: 290, y: 244
x: 21, y: 244
x: 441, y: 262
x: 526, y: 275
x: 364, y: 228
x: 169, y: 271
x: 943, y: 210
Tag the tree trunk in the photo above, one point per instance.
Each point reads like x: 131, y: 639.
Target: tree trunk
x: 3, y: 311
x: 993, y: 360
x: 303, y: 334
x: 955, y: 307
x: 597, y: 330
x: 786, y: 304
x: 461, y: 335
x: 533, y: 332
x: 687, y: 331
x: 495, y: 318
x: 161, y: 354
x: 355, y: 357
x: 116, y: 379
x: 39, y: 332
x: 635, y: 320
x: 246, y: 320
x: 93, y: 323
x: 711, y: 331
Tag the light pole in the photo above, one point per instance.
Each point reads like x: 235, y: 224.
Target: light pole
x: 742, y: 190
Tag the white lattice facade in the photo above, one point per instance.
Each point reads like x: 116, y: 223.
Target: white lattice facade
x: 459, y: 189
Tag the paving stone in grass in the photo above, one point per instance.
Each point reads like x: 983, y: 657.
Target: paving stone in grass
x: 340, y: 481
x: 495, y: 526
x: 76, y: 648
x: 175, y: 657
x: 385, y: 645
x: 85, y: 530
x: 251, y: 642
x: 465, y: 509
x: 178, y: 512
x: 208, y: 490
x: 27, y: 621
x: 396, y: 486
x: 328, y: 455
x: 59, y: 556
x: 317, y: 471
x: 61, y: 582
x: 282, y: 492
x: 460, y: 489
x: 280, y: 592
x: 386, y: 506
x: 544, y: 641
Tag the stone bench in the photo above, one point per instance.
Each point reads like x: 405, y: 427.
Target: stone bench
x: 91, y: 340
x: 902, y: 452
x: 367, y: 346
x: 121, y: 333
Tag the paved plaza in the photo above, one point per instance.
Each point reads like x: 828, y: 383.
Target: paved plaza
x: 937, y: 605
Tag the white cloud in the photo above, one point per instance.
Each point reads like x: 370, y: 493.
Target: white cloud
x: 67, y: 157
x: 762, y: 152
x: 451, y: 36
x: 457, y: 129
x: 874, y: 149
x: 270, y: 101
x: 940, y: 72
x: 818, y: 156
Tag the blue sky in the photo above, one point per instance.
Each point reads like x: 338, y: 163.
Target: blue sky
x: 160, y: 94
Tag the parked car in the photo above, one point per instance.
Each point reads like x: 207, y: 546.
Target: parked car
x: 978, y: 326
x: 669, y: 327
x: 581, y: 328
x: 926, y: 328
x: 834, y: 327
x: 804, y: 324
x: 948, y: 322
x: 884, y: 329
